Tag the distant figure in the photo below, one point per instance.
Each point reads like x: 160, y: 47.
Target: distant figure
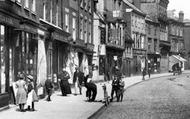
x: 91, y: 89
x: 115, y: 83
x: 64, y: 83
x: 32, y: 96
x: 49, y: 87
x: 143, y: 74
x: 78, y: 78
x: 149, y: 72
x: 21, y: 93
x: 121, y: 90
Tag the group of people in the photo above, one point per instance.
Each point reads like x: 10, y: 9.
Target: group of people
x: 79, y: 79
x: 117, y: 85
x: 26, y: 94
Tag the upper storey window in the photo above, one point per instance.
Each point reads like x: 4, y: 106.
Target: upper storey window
x: 26, y: 4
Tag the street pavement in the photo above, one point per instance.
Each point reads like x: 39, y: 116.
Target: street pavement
x: 159, y: 98
x: 70, y: 107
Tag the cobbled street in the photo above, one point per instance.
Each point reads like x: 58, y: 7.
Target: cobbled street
x: 160, y: 98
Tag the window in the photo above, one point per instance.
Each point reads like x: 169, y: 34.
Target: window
x: 67, y: 22
x: 44, y: 11
x: 74, y: 29
x: 2, y: 58
x: 89, y: 6
x: 85, y: 30
x: 19, y: 1
x: 86, y: 4
x: 90, y: 32
x: 26, y: 3
x: 57, y: 15
x: 51, y: 12
x: 33, y: 5
x: 81, y: 28
x: 149, y: 43
x: 81, y: 3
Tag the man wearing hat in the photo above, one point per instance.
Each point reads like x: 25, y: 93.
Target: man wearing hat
x: 32, y: 96
x: 115, y: 83
x: 78, y: 78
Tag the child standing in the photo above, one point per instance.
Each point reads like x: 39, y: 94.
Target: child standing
x: 32, y: 96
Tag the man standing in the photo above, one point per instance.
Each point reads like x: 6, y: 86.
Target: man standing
x: 77, y: 80
x: 115, y: 83
x: 144, y: 74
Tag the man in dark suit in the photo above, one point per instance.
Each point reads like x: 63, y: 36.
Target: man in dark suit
x: 77, y: 80
x: 91, y: 89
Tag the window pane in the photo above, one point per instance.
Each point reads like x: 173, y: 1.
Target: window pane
x: 26, y: 4
x: 3, y: 79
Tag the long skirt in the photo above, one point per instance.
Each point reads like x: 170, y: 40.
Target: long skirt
x: 32, y: 97
x: 21, y: 96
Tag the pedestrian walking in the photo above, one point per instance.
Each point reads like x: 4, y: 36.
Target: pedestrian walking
x: 149, y: 72
x: 64, y: 83
x: 78, y: 78
x: 48, y: 87
x: 32, y: 96
x: 21, y: 92
x: 115, y: 83
x: 143, y: 74
x: 91, y: 87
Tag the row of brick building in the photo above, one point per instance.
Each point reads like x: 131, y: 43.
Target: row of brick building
x: 40, y: 37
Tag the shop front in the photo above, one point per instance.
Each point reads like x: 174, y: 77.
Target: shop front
x: 139, y: 61
x: 154, y: 62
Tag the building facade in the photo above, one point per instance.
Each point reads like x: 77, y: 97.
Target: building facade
x: 152, y: 45
x: 136, y: 28
x: 157, y: 10
x: 42, y: 37
x: 20, y: 34
x: 187, y: 42
x: 176, y: 38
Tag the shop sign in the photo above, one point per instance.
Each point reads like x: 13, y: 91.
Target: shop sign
x: 59, y: 37
x: 8, y: 20
x: 139, y: 52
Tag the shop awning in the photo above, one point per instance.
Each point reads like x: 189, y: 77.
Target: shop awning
x: 179, y: 58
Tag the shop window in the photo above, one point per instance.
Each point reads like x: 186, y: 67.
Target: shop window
x: 101, y: 65
x: 2, y: 58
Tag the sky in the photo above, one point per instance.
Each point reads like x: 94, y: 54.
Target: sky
x: 180, y: 5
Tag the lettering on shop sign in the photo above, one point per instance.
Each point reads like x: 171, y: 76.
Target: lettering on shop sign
x: 142, y: 52
x: 58, y: 37
x: 6, y: 19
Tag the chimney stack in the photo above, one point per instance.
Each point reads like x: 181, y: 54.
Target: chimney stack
x: 181, y: 16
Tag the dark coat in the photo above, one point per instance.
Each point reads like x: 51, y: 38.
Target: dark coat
x: 64, y: 84
x: 48, y: 85
x: 80, y: 76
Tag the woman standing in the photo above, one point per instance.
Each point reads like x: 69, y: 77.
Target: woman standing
x: 64, y: 84
x: 21, y: 92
